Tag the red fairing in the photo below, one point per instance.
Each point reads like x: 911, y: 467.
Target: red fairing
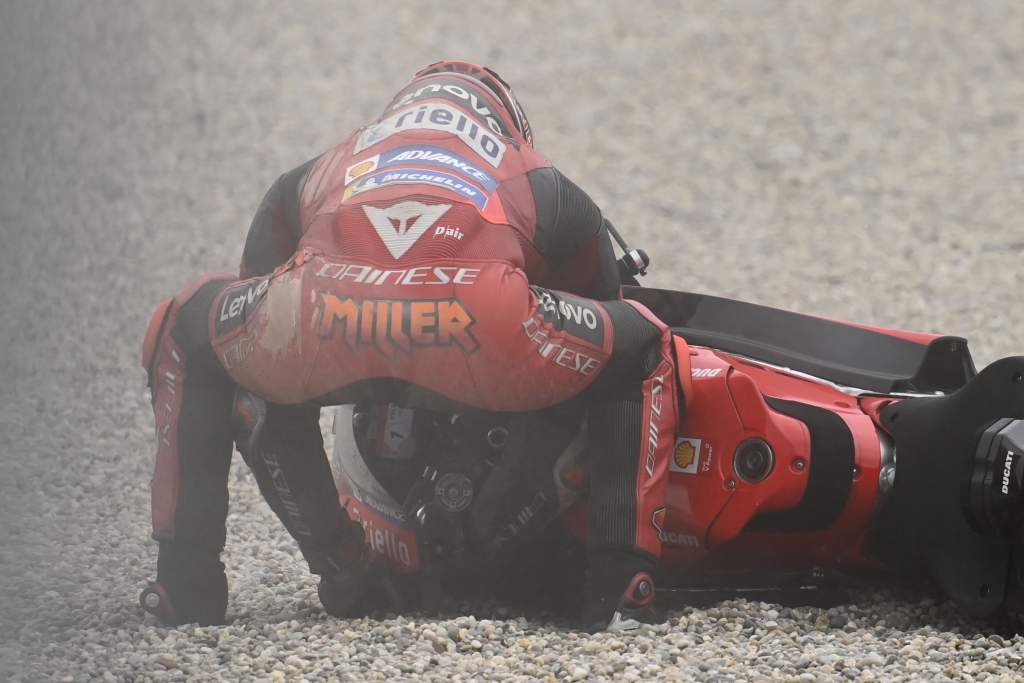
x: 709, y: 505
x: 388, y: 538
x: 660, y: 419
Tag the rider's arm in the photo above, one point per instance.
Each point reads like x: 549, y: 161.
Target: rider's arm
x: 275, y: 230
x: 572, y: 237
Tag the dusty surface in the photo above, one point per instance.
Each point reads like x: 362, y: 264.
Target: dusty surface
x: 860, y: 160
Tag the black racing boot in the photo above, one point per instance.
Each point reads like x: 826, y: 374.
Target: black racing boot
x: 191, y: 586
x: 618, y: 594
x: 349, y: 578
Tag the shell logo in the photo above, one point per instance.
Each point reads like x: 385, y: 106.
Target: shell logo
x: 361, y: 168
x: 686, y: 455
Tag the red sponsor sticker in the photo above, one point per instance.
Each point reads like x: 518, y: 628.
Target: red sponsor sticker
x: 391, y: 541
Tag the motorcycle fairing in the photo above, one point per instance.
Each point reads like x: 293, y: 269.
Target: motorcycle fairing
x: 388, y: 532
x: 812, y: 508
x: 869, y: 358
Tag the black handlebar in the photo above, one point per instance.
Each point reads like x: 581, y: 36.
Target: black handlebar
x: 634, y: 262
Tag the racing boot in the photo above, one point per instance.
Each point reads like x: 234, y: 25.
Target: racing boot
x: 191, y: 586
x: 345, y: 575
x: 609, y: 607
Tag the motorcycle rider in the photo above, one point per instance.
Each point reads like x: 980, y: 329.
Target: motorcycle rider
x: 432, y: 259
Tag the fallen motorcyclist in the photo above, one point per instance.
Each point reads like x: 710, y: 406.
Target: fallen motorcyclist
x: 433, y: 259
x: 808, y: 448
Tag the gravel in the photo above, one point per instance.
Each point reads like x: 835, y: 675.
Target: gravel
x: 861, y: 160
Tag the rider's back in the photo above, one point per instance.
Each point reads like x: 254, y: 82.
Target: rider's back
x: 428, y: 182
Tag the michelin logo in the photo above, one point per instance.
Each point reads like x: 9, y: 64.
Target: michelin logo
x: 448, y: 181
x: 441, y: 117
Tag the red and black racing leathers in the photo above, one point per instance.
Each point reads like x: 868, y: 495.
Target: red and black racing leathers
x: 426, y: 260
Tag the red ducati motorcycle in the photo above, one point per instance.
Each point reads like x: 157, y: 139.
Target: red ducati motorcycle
x: 811, y: 450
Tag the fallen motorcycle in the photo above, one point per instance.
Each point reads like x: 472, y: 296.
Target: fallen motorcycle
x: 811, y: 451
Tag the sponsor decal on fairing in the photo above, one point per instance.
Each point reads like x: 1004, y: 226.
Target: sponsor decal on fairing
x: 685, y: 455
x: 654, y: 417
x: 440, y: 117
x: 705, y: 373
x: 671, y: 537
x: 384, y: 537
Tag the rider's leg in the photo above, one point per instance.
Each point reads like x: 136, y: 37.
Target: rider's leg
x: 192, y: 405
x: 520, y: 498
x: 634, y: 412
x: 286, y: 455
x: 193, y: 399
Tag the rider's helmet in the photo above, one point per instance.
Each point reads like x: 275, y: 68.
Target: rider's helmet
x: 511, y: 119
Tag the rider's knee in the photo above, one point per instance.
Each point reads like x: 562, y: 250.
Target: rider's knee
x: 184, y: 317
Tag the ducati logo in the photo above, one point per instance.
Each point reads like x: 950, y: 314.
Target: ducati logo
x: 658, y: 520
x: 400, y: 225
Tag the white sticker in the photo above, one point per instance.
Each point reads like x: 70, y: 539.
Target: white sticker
x: 685, y: 456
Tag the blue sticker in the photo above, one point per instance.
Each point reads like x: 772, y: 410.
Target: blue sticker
x: 431, y: 155
x: 423, y: 175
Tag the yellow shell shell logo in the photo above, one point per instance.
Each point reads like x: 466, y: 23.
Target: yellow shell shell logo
x: 361, y: 168
x: 684, y: 454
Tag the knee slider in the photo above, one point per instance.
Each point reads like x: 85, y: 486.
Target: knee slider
x: 166, y: 315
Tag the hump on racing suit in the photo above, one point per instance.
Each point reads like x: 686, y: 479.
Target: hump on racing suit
x: 449, y: 136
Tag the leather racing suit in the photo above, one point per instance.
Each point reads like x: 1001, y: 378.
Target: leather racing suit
x: 432, y: 259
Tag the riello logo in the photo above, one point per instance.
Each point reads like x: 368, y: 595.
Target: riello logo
x: 395, y: 326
